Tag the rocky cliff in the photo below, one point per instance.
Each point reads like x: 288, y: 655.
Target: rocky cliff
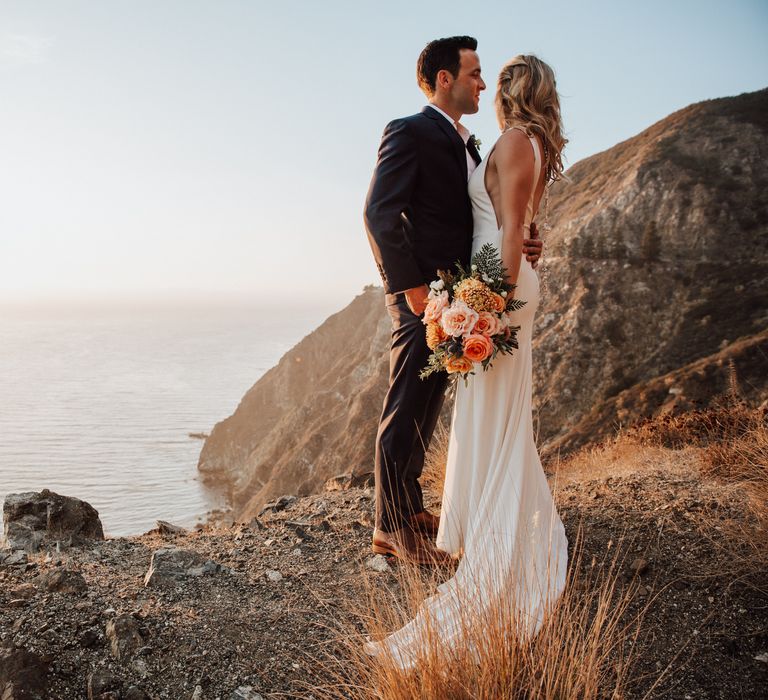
x: 658, y: 257
x: 311, y: 417
x: 657, y: 260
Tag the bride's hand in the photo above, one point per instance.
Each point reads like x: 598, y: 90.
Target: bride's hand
x: 532, y: 247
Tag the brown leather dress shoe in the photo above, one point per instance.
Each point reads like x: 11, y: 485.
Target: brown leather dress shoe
x: 426, y: 523
x: 405, y: 544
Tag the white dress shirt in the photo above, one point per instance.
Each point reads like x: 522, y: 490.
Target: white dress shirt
x: 464, y: 133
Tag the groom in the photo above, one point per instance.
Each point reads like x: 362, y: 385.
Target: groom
x: 418, y: 217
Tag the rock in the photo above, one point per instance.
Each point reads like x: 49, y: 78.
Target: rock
x: 339, y: 483
x: 762, y: 658
x: 639, y: 566
x: 274, y: 576
x: 135, y: 693
x: 23, y: 592
x: 140, y: 666
x: 124, y: 636
x: 172, y: 565
x: 23, y: 675
x: 378, y: 563
x: 100, y: 683
x: 197, y: 694
x: 342, y: 482
x: 280, y: 504
x: 170, y: 529
x: 64, y: 581
x: 32, y: 519
x: 89, y: 638
x: 245, y: 692
x: 16, y: 557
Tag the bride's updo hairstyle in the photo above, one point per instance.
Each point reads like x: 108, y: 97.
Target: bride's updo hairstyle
x: 526, y: 96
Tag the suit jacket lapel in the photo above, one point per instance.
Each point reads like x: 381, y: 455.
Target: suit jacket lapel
x: 457, y: 143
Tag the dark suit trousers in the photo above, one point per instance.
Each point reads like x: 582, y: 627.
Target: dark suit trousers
x: 408, y: 419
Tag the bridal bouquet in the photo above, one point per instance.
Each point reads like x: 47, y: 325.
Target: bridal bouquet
x: 467, y: 316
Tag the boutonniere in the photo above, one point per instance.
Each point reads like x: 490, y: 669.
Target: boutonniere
x: 476, y: 142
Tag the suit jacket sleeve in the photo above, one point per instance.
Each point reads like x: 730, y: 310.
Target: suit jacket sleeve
x: 386, y: 206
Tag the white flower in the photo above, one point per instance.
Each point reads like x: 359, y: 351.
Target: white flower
x: 486, y: 279
x: 474, y: 267
x: 503, y: 294
x: 437, y: 285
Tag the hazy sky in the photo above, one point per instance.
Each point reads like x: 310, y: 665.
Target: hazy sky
x: 223, y: 149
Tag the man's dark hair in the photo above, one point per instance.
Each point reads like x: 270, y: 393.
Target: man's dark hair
x: 441, y: 54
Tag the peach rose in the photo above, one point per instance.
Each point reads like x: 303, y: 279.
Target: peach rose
x: 488, y: 324
x: 499, y: 303
x: 477, y: 347
x: 458, y: 364
x: 435, y: 306
x: 458, y: 319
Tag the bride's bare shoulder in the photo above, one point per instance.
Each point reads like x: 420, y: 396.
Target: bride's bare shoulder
x: 515, y: 145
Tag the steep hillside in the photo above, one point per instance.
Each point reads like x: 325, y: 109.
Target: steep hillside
x: 311, y: 417
x: 657, y: 259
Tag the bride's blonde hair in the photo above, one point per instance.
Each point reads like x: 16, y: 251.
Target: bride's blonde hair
x: 526, y: 95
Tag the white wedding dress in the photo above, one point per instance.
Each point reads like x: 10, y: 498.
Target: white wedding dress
x: 497, y: 507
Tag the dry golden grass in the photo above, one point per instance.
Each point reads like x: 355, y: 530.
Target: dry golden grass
x: 732, y: 436
x: 433, y: 476
x: 577, y: 653
x: 727, y: 445
x: 581, y: 649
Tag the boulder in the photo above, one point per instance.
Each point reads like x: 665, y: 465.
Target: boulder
x: 23, y: 675
x: 32, y: 519
x: 342, y: 482
x: 13, y: 557
x: 277, y: 505
x: 135, y: 693
x: 102, y: 683
x: 171, y: 565
x: 64, y: 581
x: 124, y: 636
x: 169, y: 529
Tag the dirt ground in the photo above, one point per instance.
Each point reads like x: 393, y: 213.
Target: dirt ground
x: 289, y: 580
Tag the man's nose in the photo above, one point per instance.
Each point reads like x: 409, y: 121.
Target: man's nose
x: 482, y: 84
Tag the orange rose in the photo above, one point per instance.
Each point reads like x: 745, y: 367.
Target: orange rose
x: 461, y: 365
x: 499, y: 303
x: 477, y: 347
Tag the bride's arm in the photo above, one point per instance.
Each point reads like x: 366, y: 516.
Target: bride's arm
x: 514, y: 165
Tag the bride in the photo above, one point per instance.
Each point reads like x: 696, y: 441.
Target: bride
x: 497, y: 509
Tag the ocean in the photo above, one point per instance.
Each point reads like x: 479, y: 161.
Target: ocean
x: 99, y: 403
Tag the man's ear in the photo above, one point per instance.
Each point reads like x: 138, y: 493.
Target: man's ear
x: 444, y: 78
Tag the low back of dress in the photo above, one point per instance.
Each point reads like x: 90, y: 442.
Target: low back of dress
x: 486, y: 230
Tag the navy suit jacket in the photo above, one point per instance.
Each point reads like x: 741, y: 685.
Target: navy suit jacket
x: 418, y: 215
